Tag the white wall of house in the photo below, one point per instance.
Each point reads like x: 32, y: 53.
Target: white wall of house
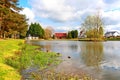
x: 110, y: 35
x: 116, y: 34
x: 32, y: 38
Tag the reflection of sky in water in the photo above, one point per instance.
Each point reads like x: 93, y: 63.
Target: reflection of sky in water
x: 112, y: 55
x: 111, y: 63
x: 87, y: 55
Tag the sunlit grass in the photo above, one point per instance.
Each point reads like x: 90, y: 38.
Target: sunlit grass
x: 8, y: 73
x: 14, y: 55
x: 29, y: 56
x: 7, y: 48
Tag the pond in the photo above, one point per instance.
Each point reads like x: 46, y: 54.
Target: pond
x: 99, y: 59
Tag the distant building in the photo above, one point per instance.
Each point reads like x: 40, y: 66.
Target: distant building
x: 112, y: 34
x: 60, y: 35
x: 32, y: 38
x: 82, y: 34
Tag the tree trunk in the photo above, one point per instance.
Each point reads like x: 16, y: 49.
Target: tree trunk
x: 4, y: 35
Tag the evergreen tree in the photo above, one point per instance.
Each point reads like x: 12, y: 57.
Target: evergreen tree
x: 73, y: 34
x: 76, y: 33
x: 35, y: 30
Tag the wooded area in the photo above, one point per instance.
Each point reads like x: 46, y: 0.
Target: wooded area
x: 12, y: 23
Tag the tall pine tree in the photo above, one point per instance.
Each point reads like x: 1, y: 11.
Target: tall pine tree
x: 35, y: 30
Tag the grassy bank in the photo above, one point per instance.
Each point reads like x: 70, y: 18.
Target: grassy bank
x: 30, y: 56
x: 113, y: 39
x: 91, y: 39
x: 7, y: 48
x: 15, y: 55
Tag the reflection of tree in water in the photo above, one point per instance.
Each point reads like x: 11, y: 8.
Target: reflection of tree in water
x: 92, y: 53
x: 74, y: 47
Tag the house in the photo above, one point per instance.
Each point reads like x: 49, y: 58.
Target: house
x: 112, y: 34
x: 82, y: 34
x: 32, y: 38
x: 60, y: 35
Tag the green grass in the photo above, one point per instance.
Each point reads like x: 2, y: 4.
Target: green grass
x: 15, y: 55
x: 113, y: 39
x: 31, y: 56
x: 7, y: 48
x: 91, y: 39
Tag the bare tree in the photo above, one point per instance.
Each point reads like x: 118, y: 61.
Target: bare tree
x: 93, y: 26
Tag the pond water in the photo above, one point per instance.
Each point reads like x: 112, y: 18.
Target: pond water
x: 99, y: 59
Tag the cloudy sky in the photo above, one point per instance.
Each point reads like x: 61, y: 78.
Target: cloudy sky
x: 65, y: 15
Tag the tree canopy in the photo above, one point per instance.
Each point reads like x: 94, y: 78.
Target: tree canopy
x: 73, y: 34
x: 12, y: 23
x: 35, y: 30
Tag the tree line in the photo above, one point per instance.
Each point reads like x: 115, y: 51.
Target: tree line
x: 36, y: 30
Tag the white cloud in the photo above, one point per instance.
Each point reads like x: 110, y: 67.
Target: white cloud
x: 55, y: 10
x: 112, y: 20
x: 68, y: 11
x: 113, y: 28
x: 29, y: 14
x: 63, y: 10
x: 66, y: 28
x: 112, y: 14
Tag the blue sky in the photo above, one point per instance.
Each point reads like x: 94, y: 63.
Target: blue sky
x: 65, y: 15
x: 24, y: 3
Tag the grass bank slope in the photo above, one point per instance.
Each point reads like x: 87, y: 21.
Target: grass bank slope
x: 7, y: 48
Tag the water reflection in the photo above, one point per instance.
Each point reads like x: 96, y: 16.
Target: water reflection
x: 100, y: 59
x: 92, y: 53
x: 45, y: 46
x: 48, y: 47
